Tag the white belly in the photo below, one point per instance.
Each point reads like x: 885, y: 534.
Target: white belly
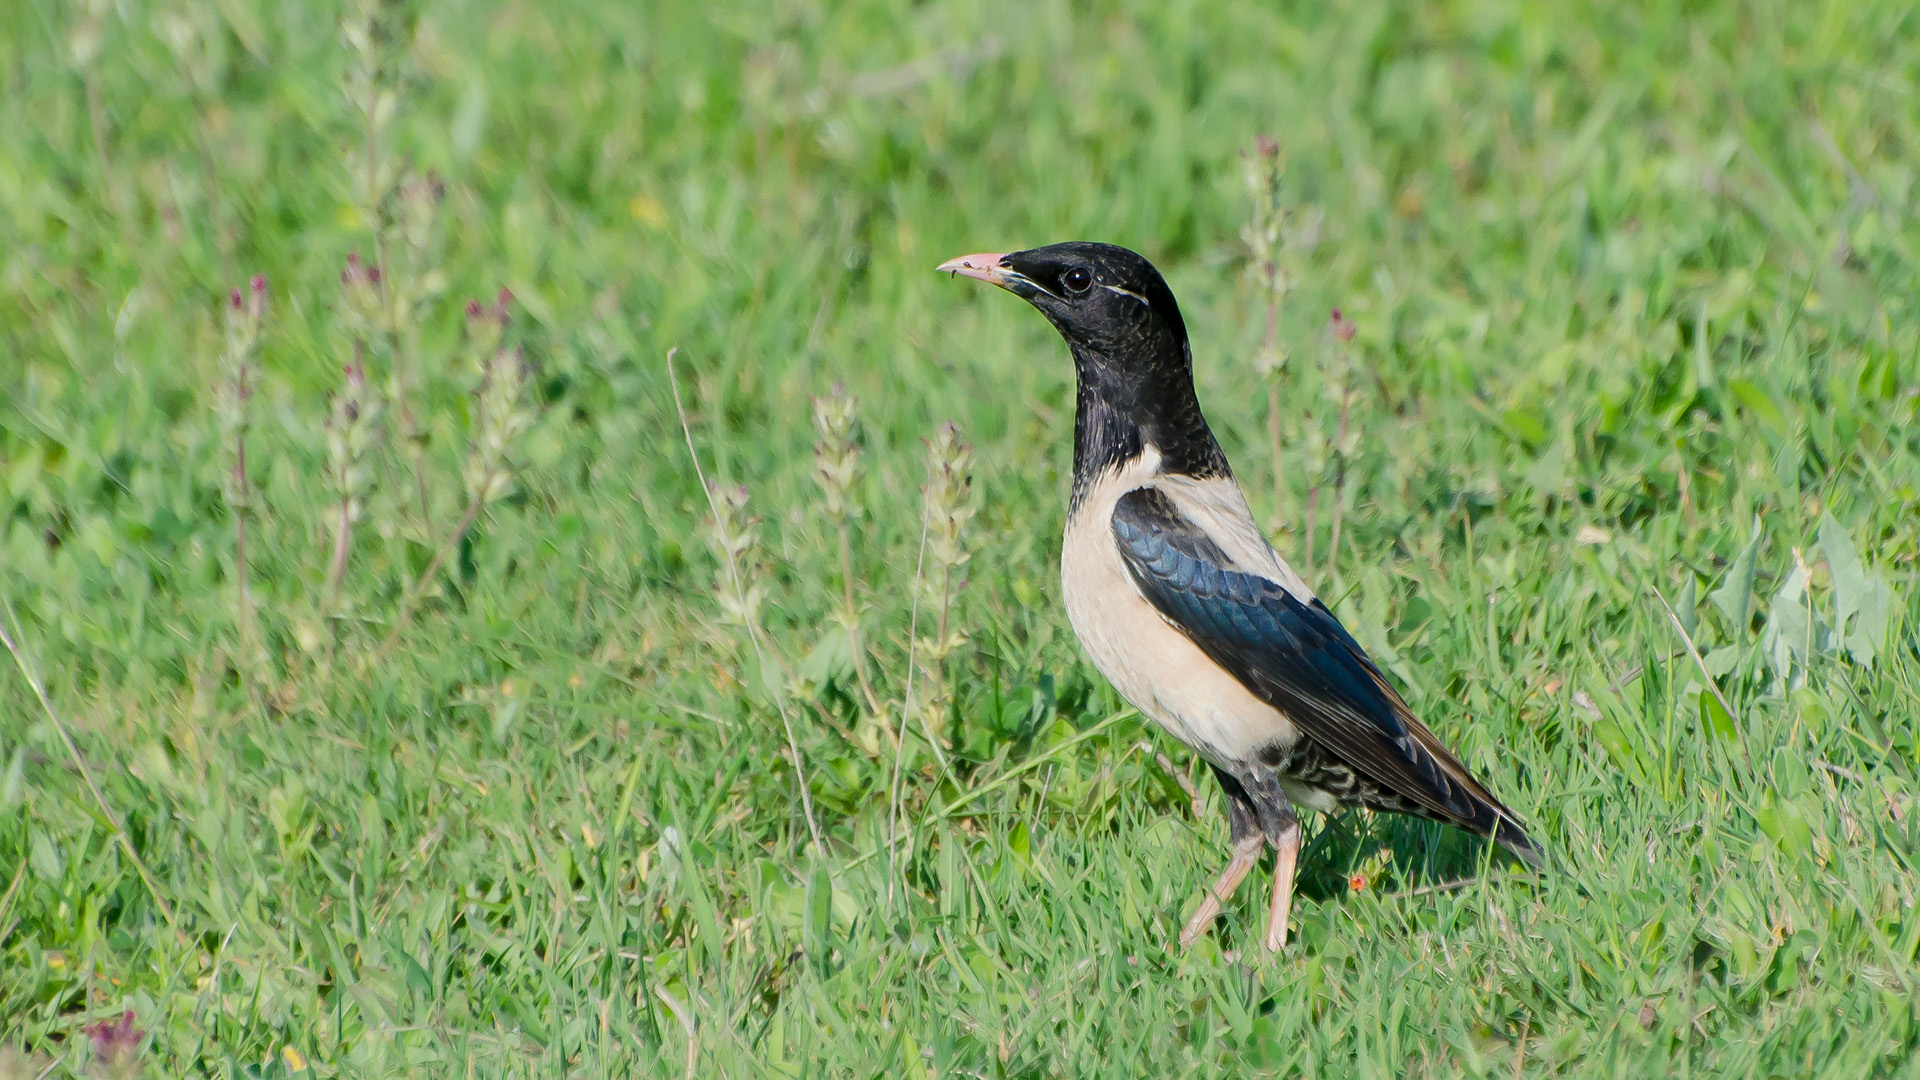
x: 1153, y: 665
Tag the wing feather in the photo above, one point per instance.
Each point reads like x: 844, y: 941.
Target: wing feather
x: 1298, y: 658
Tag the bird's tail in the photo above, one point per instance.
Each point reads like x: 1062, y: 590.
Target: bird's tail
x: 1467, y: 803
x: 1508, y: 834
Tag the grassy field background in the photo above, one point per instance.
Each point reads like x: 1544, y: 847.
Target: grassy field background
x: 1634, y: 293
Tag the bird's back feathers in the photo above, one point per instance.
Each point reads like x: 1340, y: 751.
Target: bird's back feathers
x: 1292, y: 653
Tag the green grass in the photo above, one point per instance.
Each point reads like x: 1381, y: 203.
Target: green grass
x: 1625, y: 281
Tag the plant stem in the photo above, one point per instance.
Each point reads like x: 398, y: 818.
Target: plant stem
x: 210, y: 180
x: 400, y: 370
x: 1273, y: 390
x: 938, y: 672
x: 896, y: 793
x: 373, y: 167
x: 913, y: 644
x: 97, y: 124
x: 396, y: 377
x: 411, y: 430
x: 852, y: 615
x: 1686, y: 487
x: 412, y: 596
x: 343, y: 525
x: 337, y: 566
x: 1313, y: 506
x: 1340, y: 468
x: 753, y: 629
x: 243, y: 597
x: 1273, y: 440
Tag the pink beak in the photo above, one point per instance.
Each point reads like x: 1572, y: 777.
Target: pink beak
x: 986, y: 267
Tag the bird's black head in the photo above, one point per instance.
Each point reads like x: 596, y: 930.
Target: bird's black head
x: 1105, y: 300
x: 1130, y: 352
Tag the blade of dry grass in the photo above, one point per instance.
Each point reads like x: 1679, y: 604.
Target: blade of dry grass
x: 80, y: 765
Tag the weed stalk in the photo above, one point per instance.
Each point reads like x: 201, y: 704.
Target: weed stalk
x: 896, y: 791
x: 1264, y: 232
x: 246, y: 316
x: 413, y: 280
x: 84, y: 43
x: 1340, y: 387
x: 735, y: 539
x: 949, y: 507
x: 501, y: 414
x: 836, y: 468
x: 350, y: 431
x: 392, y: 208
x: 189, y: 34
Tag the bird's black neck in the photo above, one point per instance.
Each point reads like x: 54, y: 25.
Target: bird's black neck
x: 1118, y: 415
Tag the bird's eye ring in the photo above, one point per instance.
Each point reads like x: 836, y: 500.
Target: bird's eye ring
x: 1077, y: 280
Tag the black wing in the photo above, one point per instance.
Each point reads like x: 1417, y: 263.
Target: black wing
x: 1298, y: 658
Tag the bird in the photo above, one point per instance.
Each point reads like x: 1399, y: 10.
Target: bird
x: 1184, y: 606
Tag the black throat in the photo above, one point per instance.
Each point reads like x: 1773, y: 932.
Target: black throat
x: 1121, y: 410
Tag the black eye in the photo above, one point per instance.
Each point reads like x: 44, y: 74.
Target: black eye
x: 1077, y: 280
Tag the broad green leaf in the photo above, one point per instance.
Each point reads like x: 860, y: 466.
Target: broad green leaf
x: 1756, y: 401
x: 1526, y: 425
x: 1687, y: 606
x: 1020, y: 841
x: 13, y: 781
x: 1675, y: 408
x: 1734, y: 597
x: 1784, y: 822
x: 1785, y: 970
x: 1722, y: 660
x: 418, y: 981
x: 1880, y: 375
x: 1864, y: 599
x: 1621, y: 749
x: 1845, y: 561
x: 830, y: 659
x: 1788, y: 638
x: 45, y: 856
x: 1715, y: 717
x: 1869, y: 630
x: 469, y: 120
x: 1548, y: 476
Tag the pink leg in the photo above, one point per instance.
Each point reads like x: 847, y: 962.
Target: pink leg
x: 1288, y: 844
x: 1246, y: 852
